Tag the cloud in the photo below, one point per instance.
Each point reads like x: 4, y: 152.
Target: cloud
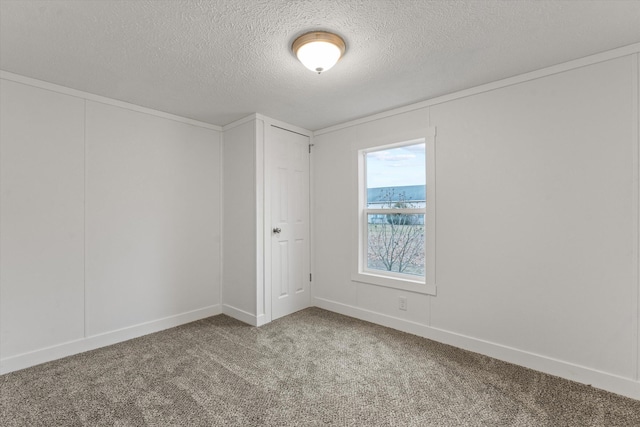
x: 389, y: 157
x: 418, y: 148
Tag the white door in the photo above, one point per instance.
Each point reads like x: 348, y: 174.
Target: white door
x: 289, y: 232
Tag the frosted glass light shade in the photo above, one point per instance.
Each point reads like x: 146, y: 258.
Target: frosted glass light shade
x: 319, y: 50
x: 319, y: 56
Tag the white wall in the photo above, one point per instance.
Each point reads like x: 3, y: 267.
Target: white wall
x: 536, y: 216
x: 536, y: 222
x: 240, y: 244
x: 152, y: 224
x: 41, y: 218
x: 109, y: 221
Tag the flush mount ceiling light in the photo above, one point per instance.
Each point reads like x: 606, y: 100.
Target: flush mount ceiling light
x: 318, y: 50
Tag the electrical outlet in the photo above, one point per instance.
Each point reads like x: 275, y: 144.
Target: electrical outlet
x: 402, y: 303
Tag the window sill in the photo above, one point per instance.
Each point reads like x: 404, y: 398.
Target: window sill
x: 394, y: 283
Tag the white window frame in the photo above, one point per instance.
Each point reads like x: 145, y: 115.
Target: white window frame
x: 408, y: 282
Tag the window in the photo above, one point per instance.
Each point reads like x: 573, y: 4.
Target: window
x: 395, y: 216
x: 395, y: 209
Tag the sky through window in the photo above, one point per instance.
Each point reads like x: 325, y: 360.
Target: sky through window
x: 395, y: 167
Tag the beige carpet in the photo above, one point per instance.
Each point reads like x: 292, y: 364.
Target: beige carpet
x: 311, y: 368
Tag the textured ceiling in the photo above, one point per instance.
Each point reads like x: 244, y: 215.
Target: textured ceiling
x: 218, y: 61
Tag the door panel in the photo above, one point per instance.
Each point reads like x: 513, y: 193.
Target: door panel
x: 281, y: 273
x: 289, y: 155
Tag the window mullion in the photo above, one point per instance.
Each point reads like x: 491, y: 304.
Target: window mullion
x: 408, y: 211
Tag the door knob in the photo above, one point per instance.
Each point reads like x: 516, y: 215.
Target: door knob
x: 277, y: 230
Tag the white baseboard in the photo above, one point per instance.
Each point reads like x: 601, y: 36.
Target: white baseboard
x: 261, y: 320
x: 70, y: 348
x: 242, y: 315
x: 602, y: 380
